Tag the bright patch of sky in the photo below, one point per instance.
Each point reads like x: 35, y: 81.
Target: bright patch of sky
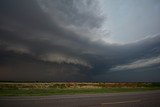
x: 131, y: 20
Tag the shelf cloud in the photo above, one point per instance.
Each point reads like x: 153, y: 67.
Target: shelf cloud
x: 78, y: 40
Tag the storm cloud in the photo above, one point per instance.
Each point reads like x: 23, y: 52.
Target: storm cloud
x: 68, y: 40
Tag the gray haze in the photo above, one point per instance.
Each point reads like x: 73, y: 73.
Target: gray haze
x: 80, y: 40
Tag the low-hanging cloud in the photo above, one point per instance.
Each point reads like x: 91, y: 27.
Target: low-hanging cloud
x: 61, y: 58
x: 19, y: 49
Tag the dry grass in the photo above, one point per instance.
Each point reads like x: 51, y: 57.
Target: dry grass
x: 70, y: 85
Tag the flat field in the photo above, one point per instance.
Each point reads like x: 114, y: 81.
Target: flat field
x: 55, y: 88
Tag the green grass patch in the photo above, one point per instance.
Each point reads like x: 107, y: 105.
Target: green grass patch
x: 55, y: 88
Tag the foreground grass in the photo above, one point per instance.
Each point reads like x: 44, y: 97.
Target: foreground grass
x: 41, y: 89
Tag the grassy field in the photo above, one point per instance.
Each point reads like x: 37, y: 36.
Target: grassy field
x: 40, y: 89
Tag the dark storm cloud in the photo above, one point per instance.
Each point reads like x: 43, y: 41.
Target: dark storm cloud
x: 57, y: 40
x: 27, y: 29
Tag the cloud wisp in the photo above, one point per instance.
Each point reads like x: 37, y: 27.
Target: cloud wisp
x: 141, y: 63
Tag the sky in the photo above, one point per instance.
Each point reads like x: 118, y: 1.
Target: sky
x: 80, y: 40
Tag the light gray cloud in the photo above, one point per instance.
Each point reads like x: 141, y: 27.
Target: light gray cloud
x: 62, y: 58
x: 73, y: 12
x: 141, y: 63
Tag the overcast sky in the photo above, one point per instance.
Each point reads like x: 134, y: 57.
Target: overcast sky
x: 80, y: 40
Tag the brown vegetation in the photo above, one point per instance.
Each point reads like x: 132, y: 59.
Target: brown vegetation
x: 57, y: 85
